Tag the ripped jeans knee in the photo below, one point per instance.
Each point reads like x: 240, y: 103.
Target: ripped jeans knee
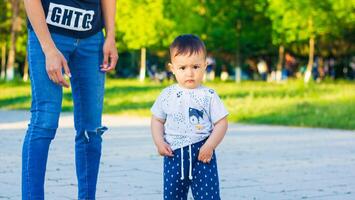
x: 87, y: 135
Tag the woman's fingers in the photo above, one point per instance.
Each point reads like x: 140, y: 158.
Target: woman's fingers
x: 110, y: 55
x: 55, y: 63
x: 110, y: 64
x: 61, y: 80
x: 52, y: 76
x: 105, y: 65
x: 66, y: 68
x: 113, y: 61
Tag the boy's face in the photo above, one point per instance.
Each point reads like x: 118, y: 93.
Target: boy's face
x: 189, y: 69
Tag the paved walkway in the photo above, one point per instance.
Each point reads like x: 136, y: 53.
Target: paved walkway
x: 255, y: 162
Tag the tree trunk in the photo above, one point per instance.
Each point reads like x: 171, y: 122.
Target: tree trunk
x: 3, y: 60
x: 12, y: 48
x: 25, y: 70
x: 308, y: 73
x: 280, y: 63
x: 143, y: 65
x: 238, y: 71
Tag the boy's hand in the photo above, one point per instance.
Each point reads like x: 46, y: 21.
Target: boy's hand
x: 165, y: 150
x: 205, y: 153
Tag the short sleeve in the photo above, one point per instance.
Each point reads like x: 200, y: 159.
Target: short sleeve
x: 218, y: 110
x: 157, y: 108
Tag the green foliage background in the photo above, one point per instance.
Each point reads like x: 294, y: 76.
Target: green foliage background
x: 330, y: 104
x: 251, y: 28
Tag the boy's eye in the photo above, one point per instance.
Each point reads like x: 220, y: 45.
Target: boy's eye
x: 196, y: 66
x: 182, y: 68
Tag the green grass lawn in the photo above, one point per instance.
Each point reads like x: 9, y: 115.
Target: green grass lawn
x: 329, y: 104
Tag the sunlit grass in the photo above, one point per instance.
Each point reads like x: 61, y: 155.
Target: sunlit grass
x: 329, y: 104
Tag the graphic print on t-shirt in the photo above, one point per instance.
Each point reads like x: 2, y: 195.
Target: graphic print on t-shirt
x: 69, y: 17
x: 194, y: 116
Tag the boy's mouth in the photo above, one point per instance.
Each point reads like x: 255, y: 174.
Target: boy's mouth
x: 190, y: 81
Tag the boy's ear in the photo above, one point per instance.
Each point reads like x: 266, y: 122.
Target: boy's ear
x: 171, y: 67
x: 205, y: 64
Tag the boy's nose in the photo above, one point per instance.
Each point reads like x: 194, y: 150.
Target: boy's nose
x: 189, y: 72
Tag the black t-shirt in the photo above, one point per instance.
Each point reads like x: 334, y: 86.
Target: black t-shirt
x: 75, y: 18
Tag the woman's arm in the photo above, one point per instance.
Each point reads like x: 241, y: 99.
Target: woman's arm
x: 109, y: 49
x: 55, y: 61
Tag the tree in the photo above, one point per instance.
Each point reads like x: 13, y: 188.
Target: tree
x: 5, y: 24
x: 184, y: 18
x: 230, y: 29
x: 298, y: 21
x: 13, y: 44
x: 139, y: 24
x: 275, y: 11
x: 237, y: 30
x: 15, y: 27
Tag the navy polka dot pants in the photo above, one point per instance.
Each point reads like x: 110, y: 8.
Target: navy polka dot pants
x: 202, y: 178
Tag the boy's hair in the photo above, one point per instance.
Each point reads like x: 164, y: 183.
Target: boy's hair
x: 187, y: 44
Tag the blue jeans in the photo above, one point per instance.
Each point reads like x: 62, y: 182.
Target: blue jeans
x: 84, y: 57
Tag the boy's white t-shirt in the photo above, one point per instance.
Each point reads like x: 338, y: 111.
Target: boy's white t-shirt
x: 189, y: 114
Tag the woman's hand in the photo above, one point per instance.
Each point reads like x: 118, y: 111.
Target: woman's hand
x: 110, y: 55
x: 55, y: 62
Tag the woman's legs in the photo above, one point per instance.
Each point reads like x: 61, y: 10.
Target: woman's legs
x: 45, y: 110
x: 88, y: 90
x: 84, y: 57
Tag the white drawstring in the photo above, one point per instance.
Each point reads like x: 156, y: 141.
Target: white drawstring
x: 190, y: 170
x: 182, y: 163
